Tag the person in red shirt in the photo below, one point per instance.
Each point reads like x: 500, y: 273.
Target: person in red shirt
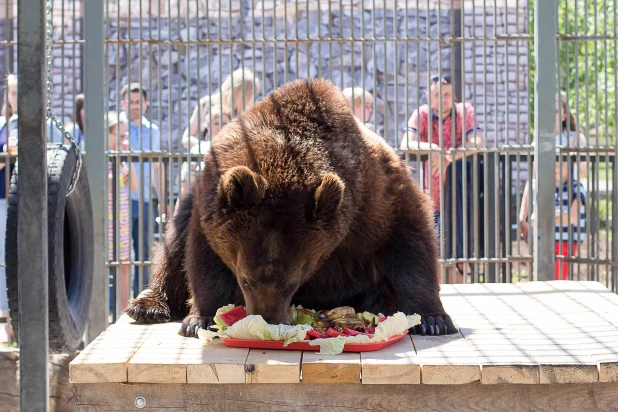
x: 431, y: 128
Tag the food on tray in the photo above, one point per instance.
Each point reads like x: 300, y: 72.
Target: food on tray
x: 328, y: 329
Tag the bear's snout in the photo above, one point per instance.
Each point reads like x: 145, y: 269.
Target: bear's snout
x: 272, y: 310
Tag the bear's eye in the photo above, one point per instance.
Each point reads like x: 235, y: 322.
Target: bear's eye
x: 245, y: 283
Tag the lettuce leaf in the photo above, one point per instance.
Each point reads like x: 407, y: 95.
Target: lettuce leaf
x: 289, y: 334
x: 255, y: 327
x: 395, y: 325
x: 251, y: 327
x: 206, y: 336
x: 334, y: 346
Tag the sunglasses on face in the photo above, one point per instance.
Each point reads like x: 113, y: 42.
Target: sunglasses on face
x: 446, y: 79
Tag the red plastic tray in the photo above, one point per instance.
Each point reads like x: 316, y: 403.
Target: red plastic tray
x: 278, y: 344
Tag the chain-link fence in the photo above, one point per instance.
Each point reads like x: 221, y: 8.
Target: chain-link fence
x: 449, y: 84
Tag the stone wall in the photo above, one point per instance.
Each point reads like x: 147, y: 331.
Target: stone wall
x: 280, y: 49
x: 282, y: 42
x: 497, y: 73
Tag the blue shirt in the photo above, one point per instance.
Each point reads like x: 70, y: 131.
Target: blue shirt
x: 565, y: 196
x: 54, y: 134
x: 76, y: 133
x: 150, y: 141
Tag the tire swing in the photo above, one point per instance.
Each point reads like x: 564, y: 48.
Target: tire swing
x: 70, y: 243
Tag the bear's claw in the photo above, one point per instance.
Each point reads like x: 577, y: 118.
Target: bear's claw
x: 192, y: 323
x: 434, y: 325
x: 148, y: 307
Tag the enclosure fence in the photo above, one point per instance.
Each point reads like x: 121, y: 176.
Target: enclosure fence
x: 201, y: 63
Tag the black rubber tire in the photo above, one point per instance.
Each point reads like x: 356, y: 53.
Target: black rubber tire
x: 70, y: 242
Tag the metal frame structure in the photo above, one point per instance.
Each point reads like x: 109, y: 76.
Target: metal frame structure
x: 32, y: 232
x: 100, y: 47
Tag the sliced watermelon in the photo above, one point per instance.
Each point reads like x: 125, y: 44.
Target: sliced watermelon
x: 352, y: 332
x: 314, y: 334
x: 381, y: 319
x: 370, y: 330
x: 333, y: 333
x: 227, y: 319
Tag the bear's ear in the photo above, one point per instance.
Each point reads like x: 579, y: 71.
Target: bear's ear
x: 240, y: 188
x: 328, y: 197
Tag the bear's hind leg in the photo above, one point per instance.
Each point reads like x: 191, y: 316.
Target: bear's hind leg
x: 166, y: 299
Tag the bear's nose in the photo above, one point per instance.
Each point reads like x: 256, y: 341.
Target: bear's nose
x: 276, y: 320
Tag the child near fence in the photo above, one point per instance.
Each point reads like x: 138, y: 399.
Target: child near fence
x: 569, y: 217
x: 125, y: 180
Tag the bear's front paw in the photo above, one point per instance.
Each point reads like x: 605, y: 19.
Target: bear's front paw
x: 192, y: 323
x: 434, y: 325
x: 149, y: 307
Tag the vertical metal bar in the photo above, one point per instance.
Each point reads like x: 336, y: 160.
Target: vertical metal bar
x: 544, y: 143
x: 32, y: 227
x: 97, y: 162
x: 614, y: 237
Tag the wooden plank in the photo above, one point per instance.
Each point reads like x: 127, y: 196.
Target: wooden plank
x: 566, y: 323
x: 495, y: 374
x: 350, y: 397
x: 490, y: 310
x: 345, y: 367
x: 446, y: 360
x: 395, y: 364
x: 273, y: 366
x: 160, y: 358
x: 218, y: 364
x: 170, y: 358
x: 105, y: 359
x: 608, y: 372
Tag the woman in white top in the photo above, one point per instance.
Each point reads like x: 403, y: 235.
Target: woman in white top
x: 567, y: 135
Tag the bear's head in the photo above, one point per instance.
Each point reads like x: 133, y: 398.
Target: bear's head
x: 274, y: 237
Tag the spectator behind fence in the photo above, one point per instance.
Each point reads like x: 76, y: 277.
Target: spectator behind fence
x: 76, y: 126
x: 54, y: 134
x: 126, y: 182
x: 362, y: 110
x: 7, y: 144
x: 143, y: 136
x: 417, y: 137
x: 189, y: 171
x: 567, y: 135
x: 569, y: 216
x: 235, y: 95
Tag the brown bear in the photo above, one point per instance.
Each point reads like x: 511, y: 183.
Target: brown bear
x: 299, y: 203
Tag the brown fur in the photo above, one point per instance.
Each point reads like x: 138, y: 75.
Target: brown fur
x: 299, y: 203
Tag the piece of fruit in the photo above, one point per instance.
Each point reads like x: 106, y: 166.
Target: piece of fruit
x: 323, y: 324
x: 371, y: 329
x: 227, y: 319
x: 314, y: 334
x: 349, y: 322
x: 352, y: 332
x: 220, y: 324
x: 381, y: 319
x: 368, y: 317
x: 334, y: 333
x: 340, y: 312
x: 322, y: 314
x: 298, y: 312
x: 304, y: 320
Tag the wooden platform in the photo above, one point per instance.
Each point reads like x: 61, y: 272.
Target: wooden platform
x: 532, y: 345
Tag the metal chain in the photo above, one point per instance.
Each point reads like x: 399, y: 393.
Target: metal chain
x: 49, y: 83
